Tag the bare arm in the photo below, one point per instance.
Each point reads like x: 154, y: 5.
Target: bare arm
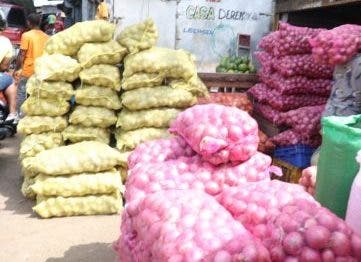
x: 5, y: 63
x: 20, y: 60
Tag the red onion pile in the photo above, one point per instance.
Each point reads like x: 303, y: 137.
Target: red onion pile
x: 291, y: 137
x: 239, y: 100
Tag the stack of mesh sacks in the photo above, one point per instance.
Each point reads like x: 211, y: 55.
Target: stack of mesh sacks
x: 205, y: 195
x: 294, y: 85
x: 91, y: 43
x: 157, y: 84
x: 78, y: 179
x: 50, y: 90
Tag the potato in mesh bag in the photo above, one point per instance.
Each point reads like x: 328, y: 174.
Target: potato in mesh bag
x: 57, y: 67
x: 35, y: 143
x: 193, y: 85
x: 87, y: 156
x: 69, y: 41
x: 140, y: 36
x: 110, y: 53
x: 45, y: 89
x: 91, y: 116
x: 129, y: 140
x: 102, y: 75
x: 97, y: 96
x: 155, y: 97
x: 75, y: 134
x: 123, y: 174
x: 41, y: 124
x: 142, y: 80
x: 78, y: 184
x: 74, y: 206
x: 34, y: 106
x: 25, y: 165
x: 124, y: 159
x: 26, y: 189
x: 172, y: 63
x: 130, y: 120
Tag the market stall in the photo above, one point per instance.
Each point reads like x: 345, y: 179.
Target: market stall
x: 197, y: 157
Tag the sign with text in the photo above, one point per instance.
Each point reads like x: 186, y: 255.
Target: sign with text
x: 210, y: 28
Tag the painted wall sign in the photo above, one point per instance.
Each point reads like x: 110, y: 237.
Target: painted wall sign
x: 209, y: 29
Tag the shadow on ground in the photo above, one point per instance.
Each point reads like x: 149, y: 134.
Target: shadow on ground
x: 10, y: 178
x: 95, y: 252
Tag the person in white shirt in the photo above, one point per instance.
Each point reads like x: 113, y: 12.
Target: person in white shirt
x: 6, y: 80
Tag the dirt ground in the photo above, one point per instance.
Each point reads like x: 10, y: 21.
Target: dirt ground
x: 25, y: 237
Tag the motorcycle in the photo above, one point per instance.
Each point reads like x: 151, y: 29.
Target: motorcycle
x: 7, y: 129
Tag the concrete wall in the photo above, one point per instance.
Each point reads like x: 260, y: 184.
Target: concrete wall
x: 207, y: 28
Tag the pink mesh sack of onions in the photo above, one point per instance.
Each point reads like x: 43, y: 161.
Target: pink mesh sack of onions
x: 263, y: 94
x: 291, y: 225
x: 338, y: 45
x: 291, y: 137
x: 220, y: 134
x: 195, y: 173
x: 266, y: 60
x: 158, y: 151
x: 296, y: 84
x: 267, y: 112
x: 304, y: 65
x: 184, y: 225
x: 305, y: 120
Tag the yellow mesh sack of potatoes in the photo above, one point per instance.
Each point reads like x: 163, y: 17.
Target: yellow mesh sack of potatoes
x: 142, y: 80
x: 69, y: 41
x: 101, y: 75
x: 193, y: 85
x: 87, y: 156
x: 44, y: 89
x: 74, y: 206
x: 110, y: 53
x: 77, y: 134
x: 97, y: 96
x: 140, y: 36
x: 91, y: 116
x: 155, y: 97
x: 35, y: 143
x: 78, y: 185
x: 34, y: 106
x: 129, y: 140
x: 41, y: 124
x: 160, y: 117
x: 124, y: 159
x: 172, y: 63
x: 25, y: 165
x: 123, y: 174
x: 57, y: 67
x: 26, y: 189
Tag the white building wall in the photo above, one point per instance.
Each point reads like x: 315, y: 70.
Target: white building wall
x: 207, y: 28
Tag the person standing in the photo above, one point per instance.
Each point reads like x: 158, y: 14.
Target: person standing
x: 102, y: 11
x: 7, y: 85
x: 59, y: 23
x: 31, y: 47
x: 50, y: 25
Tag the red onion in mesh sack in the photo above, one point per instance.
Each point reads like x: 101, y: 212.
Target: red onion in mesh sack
x: 270, y: 42
x: 194, y: 173
x: 293, y: 40
x: 305, y: 120
x: 291, y: 137
x: 290, y: 223
x: 263, y: 94
x: 252, y: 204
x: 268, y: 113
x: 265, y: 144
x: 218, y: 133
x: 239, y: 100
x: 184, y: 225
x: 296, y: 84
x: 338, y: 45
x: 266, y: 61
x: 158, y: 151
x: 308, y: 179
x: 304, y: 65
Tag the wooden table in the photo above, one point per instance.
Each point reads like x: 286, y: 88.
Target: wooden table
x: 227, y: 81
